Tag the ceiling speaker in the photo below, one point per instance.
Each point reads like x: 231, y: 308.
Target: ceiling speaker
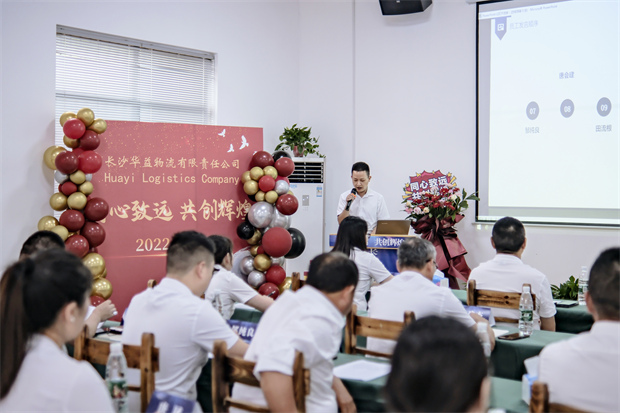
x: 392, y: 7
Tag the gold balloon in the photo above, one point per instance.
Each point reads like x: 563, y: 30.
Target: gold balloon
x: 259, y: 196
x: 102, y: 288
x: 77, y: 200
x: 262, y: 262
x: 271, y: 171
x: 47, y: 223
x: 254, y: 250
x: 62, y: 231
x: 291, y: 193
x: 86, y: 115
x: 98, y: 125
x: 58, y: 202
x: 271, y: 197
x: 50, y: 154
x: 104, y: 274
x: 95, y: 263
x: 73, y: 233
x: 245, y: 177
x: 250, y: 187
x: 70, y: 143
x: 256, y: 173
x: 78, y: 177
x: 286, y: 284
x: 86, y: 188
x: 255, y: 238
x: 66, y: 116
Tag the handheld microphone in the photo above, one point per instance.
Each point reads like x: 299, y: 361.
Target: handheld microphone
x: 354, y: 192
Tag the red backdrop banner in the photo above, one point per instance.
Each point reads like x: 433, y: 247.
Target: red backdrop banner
x: 161, y: 178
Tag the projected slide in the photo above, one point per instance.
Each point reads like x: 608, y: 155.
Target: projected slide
x: 548, y: 111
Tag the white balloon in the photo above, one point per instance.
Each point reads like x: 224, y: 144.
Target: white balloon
x: 260, y: 214
x: 247, y: 265
x: 256, y: 279
x: 280, y: 220
x: 278, y: 261
x: 281, y: 187
x: 89, y: 177
x: 60, y: 177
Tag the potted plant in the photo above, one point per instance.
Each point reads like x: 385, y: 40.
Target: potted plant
x: 299, y: 141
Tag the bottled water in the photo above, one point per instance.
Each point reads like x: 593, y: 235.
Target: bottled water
x: 115, y: 377
x: 526, y: 307
x: 483, y: 335
x: 583, y: 286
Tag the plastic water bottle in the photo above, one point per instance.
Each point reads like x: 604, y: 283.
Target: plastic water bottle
x: 115, y: 377
x: 583, y: 285
x: 526, y: 307
x: 483, y: 335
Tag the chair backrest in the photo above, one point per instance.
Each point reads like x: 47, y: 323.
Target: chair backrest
x: 227, y: 370
x: 372, y: 327
x: 497, y: 299
x: 144, y: 357
x: 151, y: 283
x: 296, y: 281
x: 539, y: 401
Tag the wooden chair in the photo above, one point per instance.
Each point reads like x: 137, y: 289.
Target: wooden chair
x: 227, y: 370
x: 497, y: 299
x: 144, y: 357
x: 296, y: 281
x: 371, y: 327
x: 539, y: 401
x: 151, y: 283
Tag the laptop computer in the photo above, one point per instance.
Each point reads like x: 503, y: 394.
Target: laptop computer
x: 393, y: 227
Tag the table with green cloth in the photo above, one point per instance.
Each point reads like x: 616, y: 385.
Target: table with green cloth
x: 567, y: 320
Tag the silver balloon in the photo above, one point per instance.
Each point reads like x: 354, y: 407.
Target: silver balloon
x: 60, y: 177
x: 280, y: 220
x: 278, y: 261
x: 89, y: 177
x: 260, y: 214
x: 281, y: 187
x: 256, y: 279
x: 247, y: 265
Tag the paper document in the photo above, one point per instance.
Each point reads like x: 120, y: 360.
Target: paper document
x: 362, y: 370
x: 499, y: 332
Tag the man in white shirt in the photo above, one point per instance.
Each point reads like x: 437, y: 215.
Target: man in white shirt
x: 413, y: 290
x: 506, y: 272
x: 584, y: 372
x: 184, y: 325
x: 310, y: 321
x: 365, y: 203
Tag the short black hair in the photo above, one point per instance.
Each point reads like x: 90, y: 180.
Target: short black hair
x: 508, y: 235
x: 223, y: 247
x: 361, y: 167
x: 186, y: 250
x: 603, y: 284
x: 332, y: 272
x: 40, y: 241
x: 438, y: 366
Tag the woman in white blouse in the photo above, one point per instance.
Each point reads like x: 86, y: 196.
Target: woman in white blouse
x: 43, y: 303
x: 352, y: 241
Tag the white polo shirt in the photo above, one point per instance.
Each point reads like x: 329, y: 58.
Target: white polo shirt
x: 508, y: 273
x: 305, y: 321
x: 231, y: 289
x: 370, y: 269
x: 411, y: 291
x: 584, y: 372
x: 185, y: 329
x: 51, y: 381
x: 371, y: 207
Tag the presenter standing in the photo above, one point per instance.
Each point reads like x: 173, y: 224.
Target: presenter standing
x: 361, y: 201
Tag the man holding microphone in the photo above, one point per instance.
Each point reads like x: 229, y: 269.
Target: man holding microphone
x: 362, y: 201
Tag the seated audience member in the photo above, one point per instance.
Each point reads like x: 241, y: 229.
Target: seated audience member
x: 584, y: 372
x: 44, y: 240
x: 309, y: 320
x: 42, y: 307
x: 413, y: 290
x: 438, y: 366
x: 184, y: 325
x: 351, y: 240
x: 506, y: 272
x: 227, y: 286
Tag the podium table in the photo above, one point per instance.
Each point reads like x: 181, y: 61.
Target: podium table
x: 383, y: 247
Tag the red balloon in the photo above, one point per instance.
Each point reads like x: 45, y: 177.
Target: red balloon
x: 285, y: 166
x: 283, y: 178
x: 90, y: 162
x: 78, y: 152
x: 95, y: 300
x: 261, y: 159
x: 71, y: 219
x: 266, y: 183
x: 287, y: 204
x: 77, y: 244
x: 275, y: 274
x: 269, y: 290
x: 94, y: 233
x: 74, y: 128
x: 67, y: 162
x: 96, y: 209
x: 96, y: 250
x: 260, y: 250
x: 67, y: 188
x: 277, y: 242
x: 90, y: 141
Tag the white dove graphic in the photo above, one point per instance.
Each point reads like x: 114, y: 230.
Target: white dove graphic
x: 222, y: 133
x: 244, y: 142
x: 231, y: 149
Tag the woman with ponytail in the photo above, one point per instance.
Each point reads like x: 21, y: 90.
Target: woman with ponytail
x: 43, y: 302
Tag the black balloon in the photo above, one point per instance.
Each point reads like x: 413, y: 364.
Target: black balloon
x: 245, y: 230
x: 252, y: 198
x: 299, y: 243
x: 280, y: 154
